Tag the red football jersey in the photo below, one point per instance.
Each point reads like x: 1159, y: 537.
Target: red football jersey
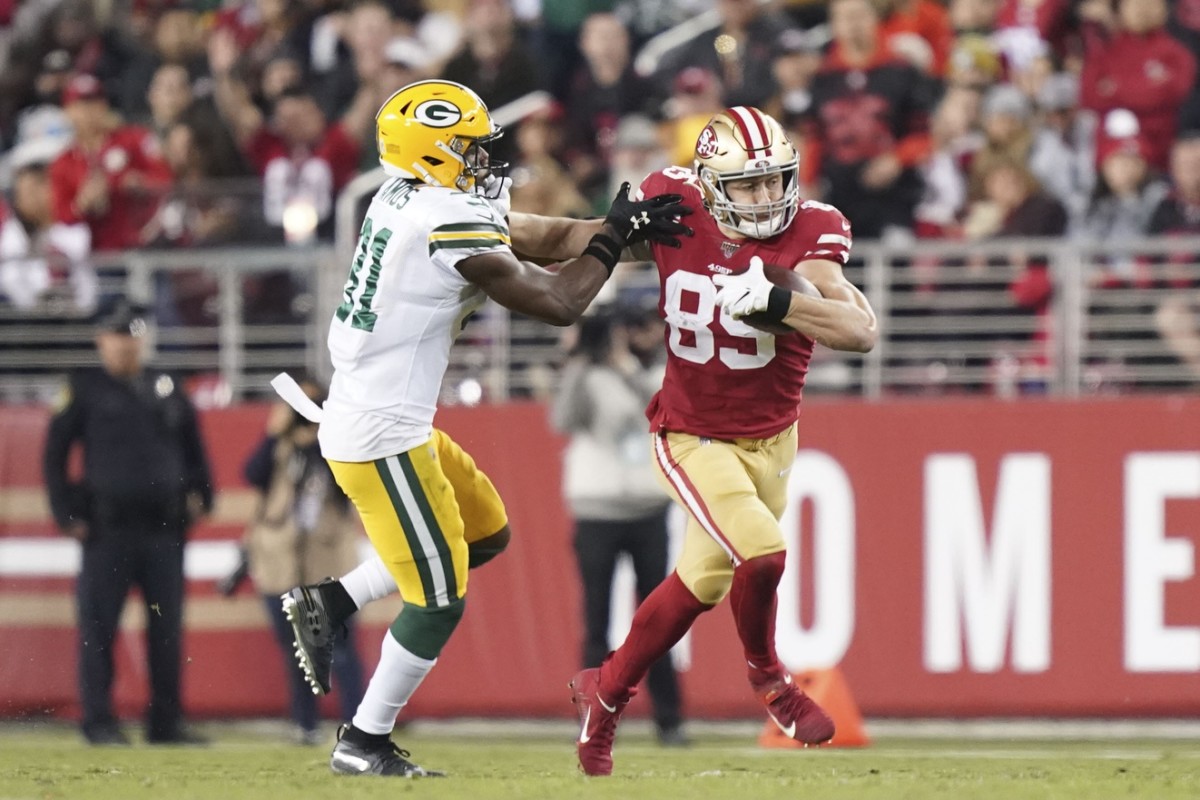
x: 724, y: 379
x: 127, y: 150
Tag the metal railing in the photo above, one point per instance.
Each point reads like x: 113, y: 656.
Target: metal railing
x: 1020, y: 317
x: 237, y: 315
x: 1009, y: 318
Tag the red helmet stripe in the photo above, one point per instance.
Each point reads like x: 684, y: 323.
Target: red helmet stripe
x: 749, y: 120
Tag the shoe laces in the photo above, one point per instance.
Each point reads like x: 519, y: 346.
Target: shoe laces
x: 789, y: 702
x: 400, y: 753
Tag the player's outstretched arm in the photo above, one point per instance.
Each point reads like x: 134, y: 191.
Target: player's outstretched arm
x: 555, y: 238
x: 841, y: 318
x: 559, y: 297
x: 560, y: 238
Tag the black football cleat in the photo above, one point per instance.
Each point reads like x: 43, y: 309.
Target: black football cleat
x: 385, y: 758
x: 312, y: 633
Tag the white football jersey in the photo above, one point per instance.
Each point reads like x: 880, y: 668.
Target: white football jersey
x: 402, y: 307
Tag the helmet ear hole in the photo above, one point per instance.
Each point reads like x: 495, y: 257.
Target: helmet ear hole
x: 433, y: 162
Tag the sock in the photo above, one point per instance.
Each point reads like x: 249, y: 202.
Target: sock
x: 397, y: 676
x: 369, y: 581
x: 354, y: 736
x: 753, y: 600
x: 659, y: 622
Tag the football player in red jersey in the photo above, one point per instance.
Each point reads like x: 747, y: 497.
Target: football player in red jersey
x: 723, y: 425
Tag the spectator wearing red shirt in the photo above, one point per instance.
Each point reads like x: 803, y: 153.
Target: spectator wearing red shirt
x: 926, y: 20
x: 302, y: 158
x: 1136, y: 64
x: 112, y: 176
x: 304, y: 161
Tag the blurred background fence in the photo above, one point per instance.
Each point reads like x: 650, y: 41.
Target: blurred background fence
x: 1004, y: 319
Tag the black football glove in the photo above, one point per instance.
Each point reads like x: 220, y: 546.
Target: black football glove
x: 655, y: 219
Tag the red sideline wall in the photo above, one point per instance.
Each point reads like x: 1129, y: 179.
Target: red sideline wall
x: 955, y: 557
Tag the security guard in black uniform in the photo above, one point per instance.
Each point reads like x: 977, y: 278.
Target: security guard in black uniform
x: 145, y: 480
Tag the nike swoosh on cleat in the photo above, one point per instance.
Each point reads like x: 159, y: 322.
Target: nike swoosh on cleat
x: 610, y: 709
x: 789, y: 731
x: 584, y: 738
x: 354, y: 762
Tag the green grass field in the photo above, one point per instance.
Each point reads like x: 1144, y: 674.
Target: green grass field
x: 48, y: 763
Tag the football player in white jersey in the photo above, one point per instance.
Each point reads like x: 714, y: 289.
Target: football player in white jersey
x: 432, y: 248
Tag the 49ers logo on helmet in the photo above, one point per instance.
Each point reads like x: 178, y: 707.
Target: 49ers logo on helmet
x: 706, y: 145
x: 437, y: 113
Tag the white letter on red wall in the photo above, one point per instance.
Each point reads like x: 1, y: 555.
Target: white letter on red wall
x: 987, y: 589
x: 1152, y: 558
x: 820, y: 479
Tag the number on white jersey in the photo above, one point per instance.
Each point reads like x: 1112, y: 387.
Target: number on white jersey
x: 698, y: 322
x: 364, y: 273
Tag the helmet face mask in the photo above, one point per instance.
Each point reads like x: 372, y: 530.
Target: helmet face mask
x: 436, y: 132
x: 743, y: 143
x: 478, y: 163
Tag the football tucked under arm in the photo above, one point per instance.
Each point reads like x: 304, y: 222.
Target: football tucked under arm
x: 787, y: 279
x: 814, y: 299
x: 841, y: 318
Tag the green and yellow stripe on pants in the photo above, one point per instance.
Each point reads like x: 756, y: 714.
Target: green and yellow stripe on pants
x: 410, y: 512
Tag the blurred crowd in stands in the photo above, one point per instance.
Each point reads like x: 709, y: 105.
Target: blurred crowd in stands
x: 188, y: 123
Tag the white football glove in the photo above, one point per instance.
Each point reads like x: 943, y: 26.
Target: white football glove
x: 495, y: 191
x: 746, y: 292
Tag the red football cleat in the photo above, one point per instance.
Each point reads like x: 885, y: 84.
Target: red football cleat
x: 796, y: 714
x: 598, y: 722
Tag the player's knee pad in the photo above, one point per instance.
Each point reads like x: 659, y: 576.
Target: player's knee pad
x: 424, y: 631
x: 709, y: 587
x: 765, y: 570
x: 484, y: 550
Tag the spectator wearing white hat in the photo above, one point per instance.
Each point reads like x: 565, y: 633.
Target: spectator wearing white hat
x: 42, y: 263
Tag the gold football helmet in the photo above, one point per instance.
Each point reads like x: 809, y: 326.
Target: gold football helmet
x: 743, y: 142
x: 434, y: 131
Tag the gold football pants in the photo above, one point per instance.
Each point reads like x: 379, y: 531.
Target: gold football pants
x: 421, y: 508
x: 734, y: 493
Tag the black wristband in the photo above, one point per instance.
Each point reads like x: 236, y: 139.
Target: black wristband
x: 779, y: 302
x: 604, y: 249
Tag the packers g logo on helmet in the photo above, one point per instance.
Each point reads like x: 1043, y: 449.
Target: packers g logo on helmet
x: 438, y: 113
x: 424, y: 132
